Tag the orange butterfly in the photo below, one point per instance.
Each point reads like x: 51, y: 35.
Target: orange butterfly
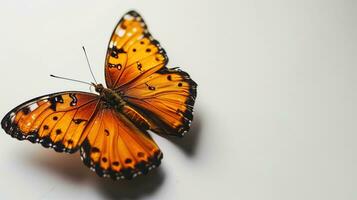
x: 110, y: 129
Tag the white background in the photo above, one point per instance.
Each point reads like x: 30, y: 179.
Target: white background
x: 276, y: 107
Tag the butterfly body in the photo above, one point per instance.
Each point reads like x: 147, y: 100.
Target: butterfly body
x: 111, y: 98
x: 110, y: 129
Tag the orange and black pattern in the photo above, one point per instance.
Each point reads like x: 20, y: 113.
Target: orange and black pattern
x: 166, y: 98
x: 56, y: 121
x: 116, y: 148
x: 132, y: 52
x: 136, y: 68
x: 111, y: 129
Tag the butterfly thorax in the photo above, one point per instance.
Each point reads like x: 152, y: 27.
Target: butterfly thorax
x: 111, y: 98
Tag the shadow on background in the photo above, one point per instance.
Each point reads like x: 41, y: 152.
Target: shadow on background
x: 190, y: 142
x: 70, y: 168
x: 132, y: 189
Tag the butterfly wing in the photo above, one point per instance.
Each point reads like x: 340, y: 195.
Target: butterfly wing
x: 116, y: 148
x: 55, y: 120
x: 132, y: 51
x: 166, y: 98
x: 160, y: 99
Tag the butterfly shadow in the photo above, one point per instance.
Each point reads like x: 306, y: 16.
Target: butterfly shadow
x: 132, y: 189
x: 70, y: 169
x: 190, y: 142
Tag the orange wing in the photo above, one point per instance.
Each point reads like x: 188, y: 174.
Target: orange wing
x: 55, y: 120
x: 132, y: 52
x: 165, y: 99
x: 160, y: 99
x: 116, y: 148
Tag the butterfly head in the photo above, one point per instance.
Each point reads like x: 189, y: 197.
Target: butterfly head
x: 98, y: 88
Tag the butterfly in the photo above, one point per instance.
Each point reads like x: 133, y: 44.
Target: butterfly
x: 110, y: 127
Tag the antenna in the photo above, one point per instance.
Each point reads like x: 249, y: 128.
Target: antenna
x: 70, y: 79
x: 85, y: 53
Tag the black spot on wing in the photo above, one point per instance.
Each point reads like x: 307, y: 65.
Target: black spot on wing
x: 54, y: 100
x: 74, y: 99
x: 26, y: 110
x: 114, y: 52
x: 78, y: 121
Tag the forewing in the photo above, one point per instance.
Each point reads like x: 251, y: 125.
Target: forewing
x: 132, y: 52
x: 55, y: 120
